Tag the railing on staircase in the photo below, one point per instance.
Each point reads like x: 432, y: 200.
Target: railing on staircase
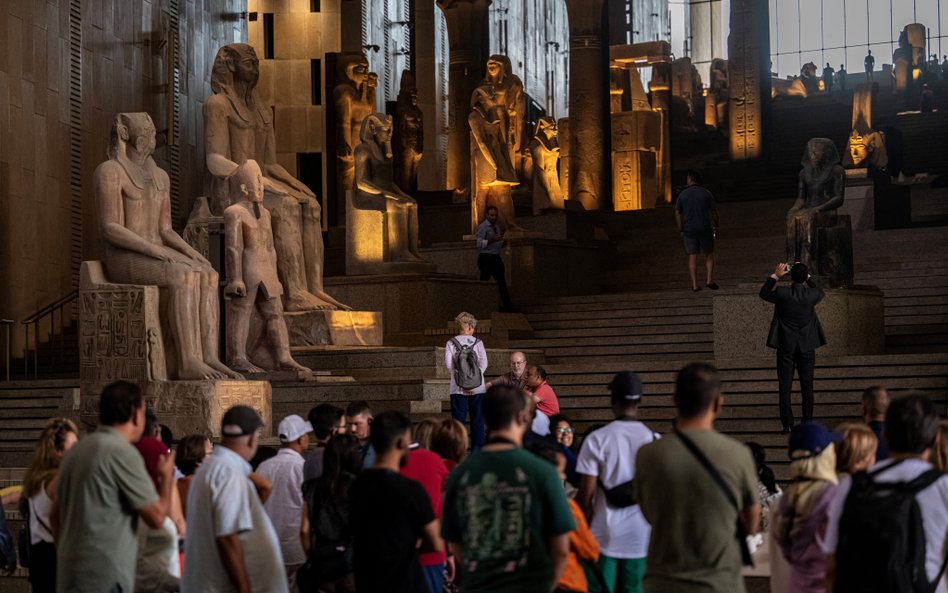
x: 35, y: 319
x: 7, y: 324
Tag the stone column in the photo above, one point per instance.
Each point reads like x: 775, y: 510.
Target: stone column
x: 748, y: 46
x: 467, y: 36
x: 589, y: 179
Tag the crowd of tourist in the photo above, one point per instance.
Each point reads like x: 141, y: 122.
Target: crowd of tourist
x: 361, y: 502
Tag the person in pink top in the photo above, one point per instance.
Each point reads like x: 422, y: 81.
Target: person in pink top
x: 428, y: 469
x: 542, y: 392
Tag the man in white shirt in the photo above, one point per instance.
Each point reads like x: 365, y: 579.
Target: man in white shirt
x: 285, y: 504
x: 911, y: 425
x: 231, y: 545
x: 607, y: 460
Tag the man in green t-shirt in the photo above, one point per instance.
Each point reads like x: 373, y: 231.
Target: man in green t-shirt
x: 103, y: 490
x: 694, y: 546
x: 506, y: 518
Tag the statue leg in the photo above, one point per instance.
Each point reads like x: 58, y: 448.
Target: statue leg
x: 285, y: 216
x: 210, y: 322
x: 185, y: 309
x: 278, y: 339
x: 239, y: 310
x: 412, y: 215
x: 313, y: 253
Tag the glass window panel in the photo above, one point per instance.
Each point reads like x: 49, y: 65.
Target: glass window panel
x: 835, y: 57
x: 811, y: 29
x: 880, y: 28
x: 856, y: 23
x: 927, y: 14
x: 834, y: 34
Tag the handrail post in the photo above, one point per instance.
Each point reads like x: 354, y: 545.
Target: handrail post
x: 36, y: 341
x: 26, y: 351
x: 7, y: 323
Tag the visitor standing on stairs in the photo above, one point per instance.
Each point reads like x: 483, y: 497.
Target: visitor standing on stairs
x: 697, y: 217
x: 490, y: 242
x: 796, y: 334
x: 466, y: 360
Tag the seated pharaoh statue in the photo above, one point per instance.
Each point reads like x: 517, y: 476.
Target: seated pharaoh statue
x: 383, y: 220
x: 253, y: 283
x: 816, y: 234
x: 239, y: 127
x: 133, y: 205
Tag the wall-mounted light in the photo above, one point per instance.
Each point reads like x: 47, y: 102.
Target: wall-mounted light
x: 372, y: 47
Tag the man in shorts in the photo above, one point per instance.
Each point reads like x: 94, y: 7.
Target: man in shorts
x: 697, y: 217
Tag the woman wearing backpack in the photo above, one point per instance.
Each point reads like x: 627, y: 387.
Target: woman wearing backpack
x: 799, y: 523
x: 39, y: 492
x: 324, y: 529
x: 466, y: 359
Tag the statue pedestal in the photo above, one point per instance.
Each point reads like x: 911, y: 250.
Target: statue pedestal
x: 852, y: 319
x: 411, y: 303
x: 858, y: 200
x: 334, y: 328
x: 188, y: 407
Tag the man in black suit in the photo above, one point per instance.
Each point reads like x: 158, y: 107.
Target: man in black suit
x: 796, y: 334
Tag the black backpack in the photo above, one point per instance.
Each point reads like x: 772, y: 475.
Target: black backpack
x: 881, y: 546
x: 467, y: 372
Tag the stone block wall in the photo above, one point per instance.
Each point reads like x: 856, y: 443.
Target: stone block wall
x: 66, y: 68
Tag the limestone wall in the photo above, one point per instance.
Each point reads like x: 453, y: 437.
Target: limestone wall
x: 66, y: 68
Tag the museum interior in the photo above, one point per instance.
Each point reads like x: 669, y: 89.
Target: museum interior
x: 277, y: 202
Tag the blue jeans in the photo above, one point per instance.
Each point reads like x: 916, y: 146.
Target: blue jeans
x: 460, y: 404
x: 434, y: 577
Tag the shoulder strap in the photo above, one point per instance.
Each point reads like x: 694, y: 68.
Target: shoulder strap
x: 719, y: 480
x: 457, y: 344
x: 708, y: 467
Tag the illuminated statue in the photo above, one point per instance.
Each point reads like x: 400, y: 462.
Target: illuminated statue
x: 239, y: 127
x: 546, y: 154
x: 133, y: 204
x: 409, y: 134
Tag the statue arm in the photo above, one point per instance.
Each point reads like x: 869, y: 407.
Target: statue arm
x: 363, y: 183
x: 479, y: 140
x: 172, y: 239
x: 234, y: 251
x: 276, y: 171
x: 108, y: 195
x: 837, y: 200
x: 217, y: 137
x: 343, y: 126
x: 801, y: 195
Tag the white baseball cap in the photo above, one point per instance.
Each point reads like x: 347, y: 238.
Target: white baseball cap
x: 293, y: 427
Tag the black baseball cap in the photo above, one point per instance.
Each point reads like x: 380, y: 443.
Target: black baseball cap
x: 240, y: 421
x: 626, y: 386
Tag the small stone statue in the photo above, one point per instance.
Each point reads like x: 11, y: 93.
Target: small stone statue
x: 133, y: 203
x: 409, y: 134
x: 866, y: 145
x: 816, y: 234
x: 492, y: 145
x: 252, y: 267
x: 545, y: 151
x: 376, y: 190
x: 239, y: 127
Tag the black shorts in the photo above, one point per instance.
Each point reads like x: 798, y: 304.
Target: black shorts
x: 702, y: 243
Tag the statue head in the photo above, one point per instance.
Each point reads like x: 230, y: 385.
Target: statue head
x: 132, y: 129
x: 819, y: 158
x: 357, y: 70
x: 246, y: 182
x: 234, y: 62
x: 372, y: 80
x: 496, y: 68
x: 546, y: 128
x: 377, y: 129
x: 407, y: 91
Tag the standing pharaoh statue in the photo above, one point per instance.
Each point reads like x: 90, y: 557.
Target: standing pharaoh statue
x: 354, y: 100
x: 816, y: 234
x: 252, y: 267
x: 375, y: 189
x: 239, y: 127
x: 491, y: 145
x: 409, y: 134
x: 133, y: 205
x: 545, y: 151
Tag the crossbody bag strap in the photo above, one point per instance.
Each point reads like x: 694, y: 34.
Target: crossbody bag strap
x: 719, y: 480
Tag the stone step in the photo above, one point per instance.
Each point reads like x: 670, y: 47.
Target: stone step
x: 540, y: 336
x: 635, y: 302
x: 618, y: 318
x: 597, y: 342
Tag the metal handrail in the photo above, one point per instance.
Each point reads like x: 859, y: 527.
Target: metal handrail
x: 7, y: 323
x: 35, y: 319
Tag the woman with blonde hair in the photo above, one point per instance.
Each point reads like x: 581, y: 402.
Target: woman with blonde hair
x: 450, y: 442
x: 39, y: 495
x: 857, y: 451
x: 466, y: 360
x: 799, y: 522
x: 940, y: 454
